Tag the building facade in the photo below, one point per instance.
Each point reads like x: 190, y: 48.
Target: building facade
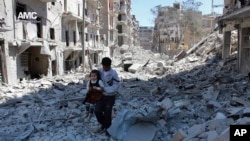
x: 109, y: 18
x: 50, y: 37
x: 29, y: 48
x: 236, y: 18
x: 124, y: 20
x: 146, y: 37
x: 167, y: 30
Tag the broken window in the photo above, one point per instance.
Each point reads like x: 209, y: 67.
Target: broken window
x: 24, y: 59
x: 20, y: 8
x: 78, y: 6
x: 120, y: 40
x: 39, y: 27
x: 67, y: 37
x: 53, y: 63
x: 122, y: 4
x: 52, y: 33
x: 119, y: 27
x: 120, y: 17
x: 86, y: 12
x: 96, y: 37
x: 74, y: 37
x: 111, y: 36
x: 95, y: 58
x: 86, y: 37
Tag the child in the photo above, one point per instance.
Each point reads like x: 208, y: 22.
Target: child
x: 94, y: 92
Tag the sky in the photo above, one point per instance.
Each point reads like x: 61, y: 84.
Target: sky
x: 141, y: 8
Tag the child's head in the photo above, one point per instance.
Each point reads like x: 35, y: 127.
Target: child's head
x: 94, y: 75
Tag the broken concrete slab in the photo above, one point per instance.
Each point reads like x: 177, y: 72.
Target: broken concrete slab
x: 141, y: 131
x: 179, y: 136
x: 192, y: 59
x: 195, y: 131
x: 180, y: 55
x: 224, y: 136
x: 135, y: 67
x: 127, y: 64
x: 166, y: 104
x: 181, y: 103
x: 241, y: 101
x: 211, y: 135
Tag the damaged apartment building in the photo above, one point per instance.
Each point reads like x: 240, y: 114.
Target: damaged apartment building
x: 127, y: 25
x: 50, y: 37
x: 236, y: 17
x: 179, y: 27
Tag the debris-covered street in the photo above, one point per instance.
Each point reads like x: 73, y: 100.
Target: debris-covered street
x: 195, y: 98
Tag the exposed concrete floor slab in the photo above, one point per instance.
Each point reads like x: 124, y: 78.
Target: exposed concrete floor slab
x: 141, y: 131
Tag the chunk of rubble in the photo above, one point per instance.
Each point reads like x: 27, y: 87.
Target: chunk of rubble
x: 179, y: 136
x: 224, y: 136
x: 141, y: 131
x: 194, y: 131
x: 134, y: 68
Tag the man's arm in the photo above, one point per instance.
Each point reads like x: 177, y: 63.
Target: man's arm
x: 116, y: 84
x: 101, y: 86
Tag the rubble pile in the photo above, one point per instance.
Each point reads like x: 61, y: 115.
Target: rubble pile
x: 194, y: 98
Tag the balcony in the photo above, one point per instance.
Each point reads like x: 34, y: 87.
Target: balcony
x: 112, y: 28
x: 122, y: 22
x: 94, y: 3
x: 71, y: 17
x: 87, y: 20
x: 123, y: 34
x: 113, y: 13
x: 94, y: 24
x: 237, y: 14
x: 123, y: 10
x: 48, y: 0
x: 5, y: 28
x: 98, y: 26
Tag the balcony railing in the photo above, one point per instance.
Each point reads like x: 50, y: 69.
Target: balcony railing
x: 94, y: 3
x: 87, y: 20
x: 122, y: 22
x: 70, y: 16
x: 48, y: 0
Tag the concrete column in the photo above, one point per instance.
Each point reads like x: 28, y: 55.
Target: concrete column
x: 226, y: 46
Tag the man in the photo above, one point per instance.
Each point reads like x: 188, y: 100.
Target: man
x: 103, y: 108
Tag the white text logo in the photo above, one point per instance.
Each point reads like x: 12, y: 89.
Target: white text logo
x: 27, y: 16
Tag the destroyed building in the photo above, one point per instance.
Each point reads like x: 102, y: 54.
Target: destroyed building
x: 146, y: 37
x: 178, y: 25
x: 53, y: 42
x: 236, y: 18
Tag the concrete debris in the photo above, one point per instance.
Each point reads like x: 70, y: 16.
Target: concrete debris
x: 135, y: 67
x: 179, y: 136
x: 144, y: 132
x: 196, y: 97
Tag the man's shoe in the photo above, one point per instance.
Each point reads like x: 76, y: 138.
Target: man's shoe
x: 89, y: 117
x: 86, y: 114
x: 99, y: 129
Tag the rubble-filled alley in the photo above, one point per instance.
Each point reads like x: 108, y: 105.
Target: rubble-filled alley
x: 193, y: 98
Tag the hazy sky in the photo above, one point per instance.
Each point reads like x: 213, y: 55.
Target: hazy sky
x: 141, y: 8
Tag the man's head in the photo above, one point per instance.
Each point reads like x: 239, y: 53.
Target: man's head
x: 106, y: 63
